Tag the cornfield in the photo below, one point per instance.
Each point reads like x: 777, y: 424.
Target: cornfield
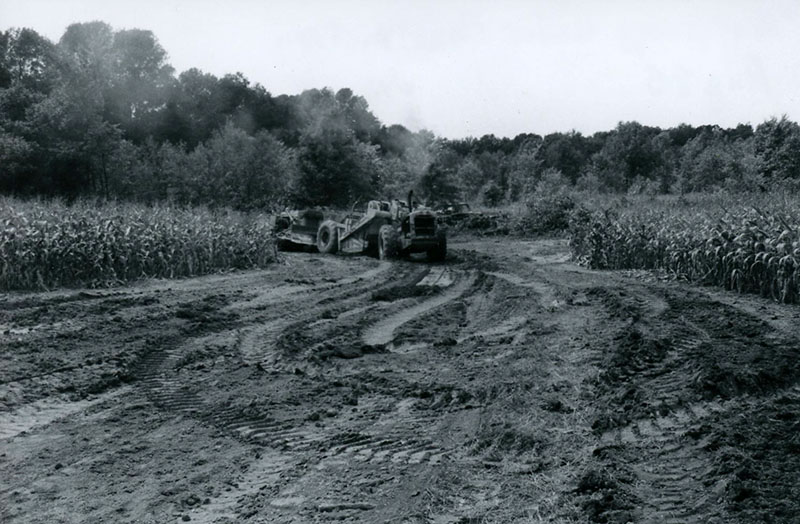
x: 44, y: 245
x: 742, y: 247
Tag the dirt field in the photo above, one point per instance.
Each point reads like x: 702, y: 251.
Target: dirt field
x: 506, y: 385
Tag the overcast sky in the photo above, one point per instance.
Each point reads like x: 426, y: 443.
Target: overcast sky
x: 468, y: 68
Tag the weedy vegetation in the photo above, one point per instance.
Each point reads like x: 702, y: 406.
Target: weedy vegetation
x: 47, y: 244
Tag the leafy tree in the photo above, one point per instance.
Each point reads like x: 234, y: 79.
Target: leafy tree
x: 77, y: 143
x: 336, y: 169
x: 194, y: 108
x: 243, y: 171
x: 139, y: 83
x: 29, y: 60
x: 471, y: 176
x: 406, y: 171
x: 628, y: 153
x: 102, y: 113
x: 357, y: 116
x: 89, y: 49
x: 440, y: 183
x: 777, y: 144
x: 394, y: 140
x: 16, y: 161
x: 524, y: 168
x: 565, y: 152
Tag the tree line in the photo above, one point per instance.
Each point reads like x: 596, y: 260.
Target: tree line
x: 102, y: 113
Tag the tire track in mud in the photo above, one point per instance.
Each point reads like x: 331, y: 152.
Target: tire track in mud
x: 283, y: 444
x: 257, y: 344
x: 45, y: 411
x: 396, y: 437
x: 267, y: 469
x: 382, y: 332
x: 393, y: 438
x: 672, y: 468
x: 401, y: 435
x: 674, y: 472
x: 288, y: 442
x: 287, y: 294
x: 167, y: 389
x: 547, y: 297
x: 702, y: 362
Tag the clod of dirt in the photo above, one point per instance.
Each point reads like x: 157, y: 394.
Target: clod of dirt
x: 105, y: 382
x: 609, y: 420
x: 556, y: 405
x: 595, y: 480
x: 607, y: 499
x: 206, y: 313
x: 609, y: 507
x: 390, y: 294
x: 618, y: 303
x: 347, y: 352
x: 192, y: 500
x: 351, y: 400
x: 376, y: 348
x: 405, y: 288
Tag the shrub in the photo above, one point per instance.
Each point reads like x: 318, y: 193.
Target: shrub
x: 546, y: 214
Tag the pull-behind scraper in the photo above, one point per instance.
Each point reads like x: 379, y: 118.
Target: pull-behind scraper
x: 387, y: 229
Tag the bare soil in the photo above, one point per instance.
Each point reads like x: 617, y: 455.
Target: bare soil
x: 505, y: 385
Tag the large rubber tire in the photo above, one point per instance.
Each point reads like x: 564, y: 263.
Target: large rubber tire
x: 388, y: 242
x: 439, y: 253
x: 328, y: 237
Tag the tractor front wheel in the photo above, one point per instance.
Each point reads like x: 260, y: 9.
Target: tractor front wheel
x: 439, y: 253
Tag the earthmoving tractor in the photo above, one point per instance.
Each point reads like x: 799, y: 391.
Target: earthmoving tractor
x: 388, y: 229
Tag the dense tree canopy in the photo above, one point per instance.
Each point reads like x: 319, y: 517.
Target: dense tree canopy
x: 103, y: 113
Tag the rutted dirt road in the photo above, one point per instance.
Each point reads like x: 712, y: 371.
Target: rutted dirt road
x: 506, y: 385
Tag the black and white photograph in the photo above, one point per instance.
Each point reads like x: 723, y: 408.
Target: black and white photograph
x: 400, y: 261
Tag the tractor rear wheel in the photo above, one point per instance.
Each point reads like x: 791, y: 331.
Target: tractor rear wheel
x: 328, y: 237
x: 387, y: 242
